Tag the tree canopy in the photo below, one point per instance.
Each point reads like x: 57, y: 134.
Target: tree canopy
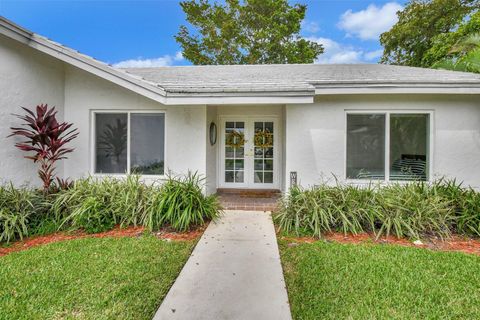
x: 463, y: 56
x: 421, y: 25
x: 245, y: 32
x: 454, y: 45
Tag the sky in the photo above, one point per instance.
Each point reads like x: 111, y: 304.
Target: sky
x: 140, y: 33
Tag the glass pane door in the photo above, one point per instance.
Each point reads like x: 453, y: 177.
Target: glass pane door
x: 264, y: 152
x: 234, y: 152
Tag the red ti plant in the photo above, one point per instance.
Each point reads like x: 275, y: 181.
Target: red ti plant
x: 46, y: 138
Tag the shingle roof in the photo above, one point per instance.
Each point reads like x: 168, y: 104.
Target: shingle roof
x: 298, y: 77
x: 296, y: 82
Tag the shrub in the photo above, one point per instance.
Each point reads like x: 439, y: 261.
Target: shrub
x: 46, y: 138
x: 99, y: 204
x: 405, y: 210
x: 325, y: 209
x: 180, y: 204
x: 20, y: 208
x: 468, y: 213
x: 412, y: 210
x: 466, y: 203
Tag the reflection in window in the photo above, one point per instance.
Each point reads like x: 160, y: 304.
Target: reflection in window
x: 408, y: 152
x: 234, y: 152
x: 408, y: 146
x: 365, y: 146
x: 263, y: 148
x: 147, y: 143
x: 111, y: 143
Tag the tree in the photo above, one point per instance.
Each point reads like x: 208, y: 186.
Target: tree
x: 419, y: 23
x: 464, y: 55
x: 46, y: 138
x: 248, y: 32
x: 447, y: 46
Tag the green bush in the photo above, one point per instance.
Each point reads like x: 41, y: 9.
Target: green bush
x: 410, y: 210
x: 180, y: 204
x: 19, y: 208
x: 324, y: 209
x: 466, y: 203
x: 97, y: 205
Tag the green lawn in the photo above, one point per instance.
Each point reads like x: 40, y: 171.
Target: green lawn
x: 338, y: 281
x: 92, y: 278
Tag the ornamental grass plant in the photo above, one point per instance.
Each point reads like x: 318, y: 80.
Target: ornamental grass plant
x: 414, y: 210
x: 99, y: 204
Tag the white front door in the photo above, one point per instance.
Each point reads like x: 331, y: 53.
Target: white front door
x: 249, y: 153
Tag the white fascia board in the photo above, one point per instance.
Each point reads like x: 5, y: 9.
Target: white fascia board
x: 224, y: 100
x: 82, y: 62
x: 447, y: 89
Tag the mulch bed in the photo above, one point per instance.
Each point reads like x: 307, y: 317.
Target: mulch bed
x: 455, y: 243
x: 170, y: 234
x: 167, y: 234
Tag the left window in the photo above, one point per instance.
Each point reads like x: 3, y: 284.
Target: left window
x: 129, y: 142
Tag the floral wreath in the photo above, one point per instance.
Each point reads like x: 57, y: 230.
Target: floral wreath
x: 263, y: 138
x: 235, y: 139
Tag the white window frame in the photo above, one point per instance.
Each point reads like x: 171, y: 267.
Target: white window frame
x: 387, y: 114
x: 128, y: 112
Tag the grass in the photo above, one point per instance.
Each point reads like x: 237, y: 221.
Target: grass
x: 347, y: 281
x: 91, y: 278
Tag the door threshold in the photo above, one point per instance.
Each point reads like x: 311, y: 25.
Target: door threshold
x: 248, y: 190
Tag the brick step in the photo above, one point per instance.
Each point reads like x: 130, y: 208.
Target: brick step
x: 249, y: 199
x: 254, y: 193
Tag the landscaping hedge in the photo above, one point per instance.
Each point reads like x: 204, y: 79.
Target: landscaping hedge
x: 412, y: 210
x: 96, y: 205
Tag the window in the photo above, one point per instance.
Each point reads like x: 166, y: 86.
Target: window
x: 408, y: 146
x: 234, y: 156
x: 263, y: 163
x: 128, y: 142
x: 366, y: 146
x: 388, y: 146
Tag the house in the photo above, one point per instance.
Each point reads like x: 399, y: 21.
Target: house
x: 252, y: 127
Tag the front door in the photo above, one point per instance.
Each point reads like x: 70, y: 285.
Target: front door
x: 249, y: 155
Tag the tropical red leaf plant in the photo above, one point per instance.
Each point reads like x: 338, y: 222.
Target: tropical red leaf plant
x: 46, y: 138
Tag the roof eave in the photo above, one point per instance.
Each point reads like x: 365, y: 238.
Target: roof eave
x: 404, y: 88
x: 81, y: 61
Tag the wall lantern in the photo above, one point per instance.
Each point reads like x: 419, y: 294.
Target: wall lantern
x: 213, y: 133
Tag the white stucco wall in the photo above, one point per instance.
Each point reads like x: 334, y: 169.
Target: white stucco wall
x: 211, y: 154
x: 315, y: 134
x: 27, y: 78
x: 185, y: 125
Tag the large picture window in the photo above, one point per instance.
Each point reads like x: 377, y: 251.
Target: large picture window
x: 129, y: 142
x: 388, y: 146
x: 366, y: 146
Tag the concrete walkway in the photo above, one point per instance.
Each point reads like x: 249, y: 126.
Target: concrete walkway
x: 233, y: 273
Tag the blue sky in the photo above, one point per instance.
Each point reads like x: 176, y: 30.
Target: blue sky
x: 140, y: 33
